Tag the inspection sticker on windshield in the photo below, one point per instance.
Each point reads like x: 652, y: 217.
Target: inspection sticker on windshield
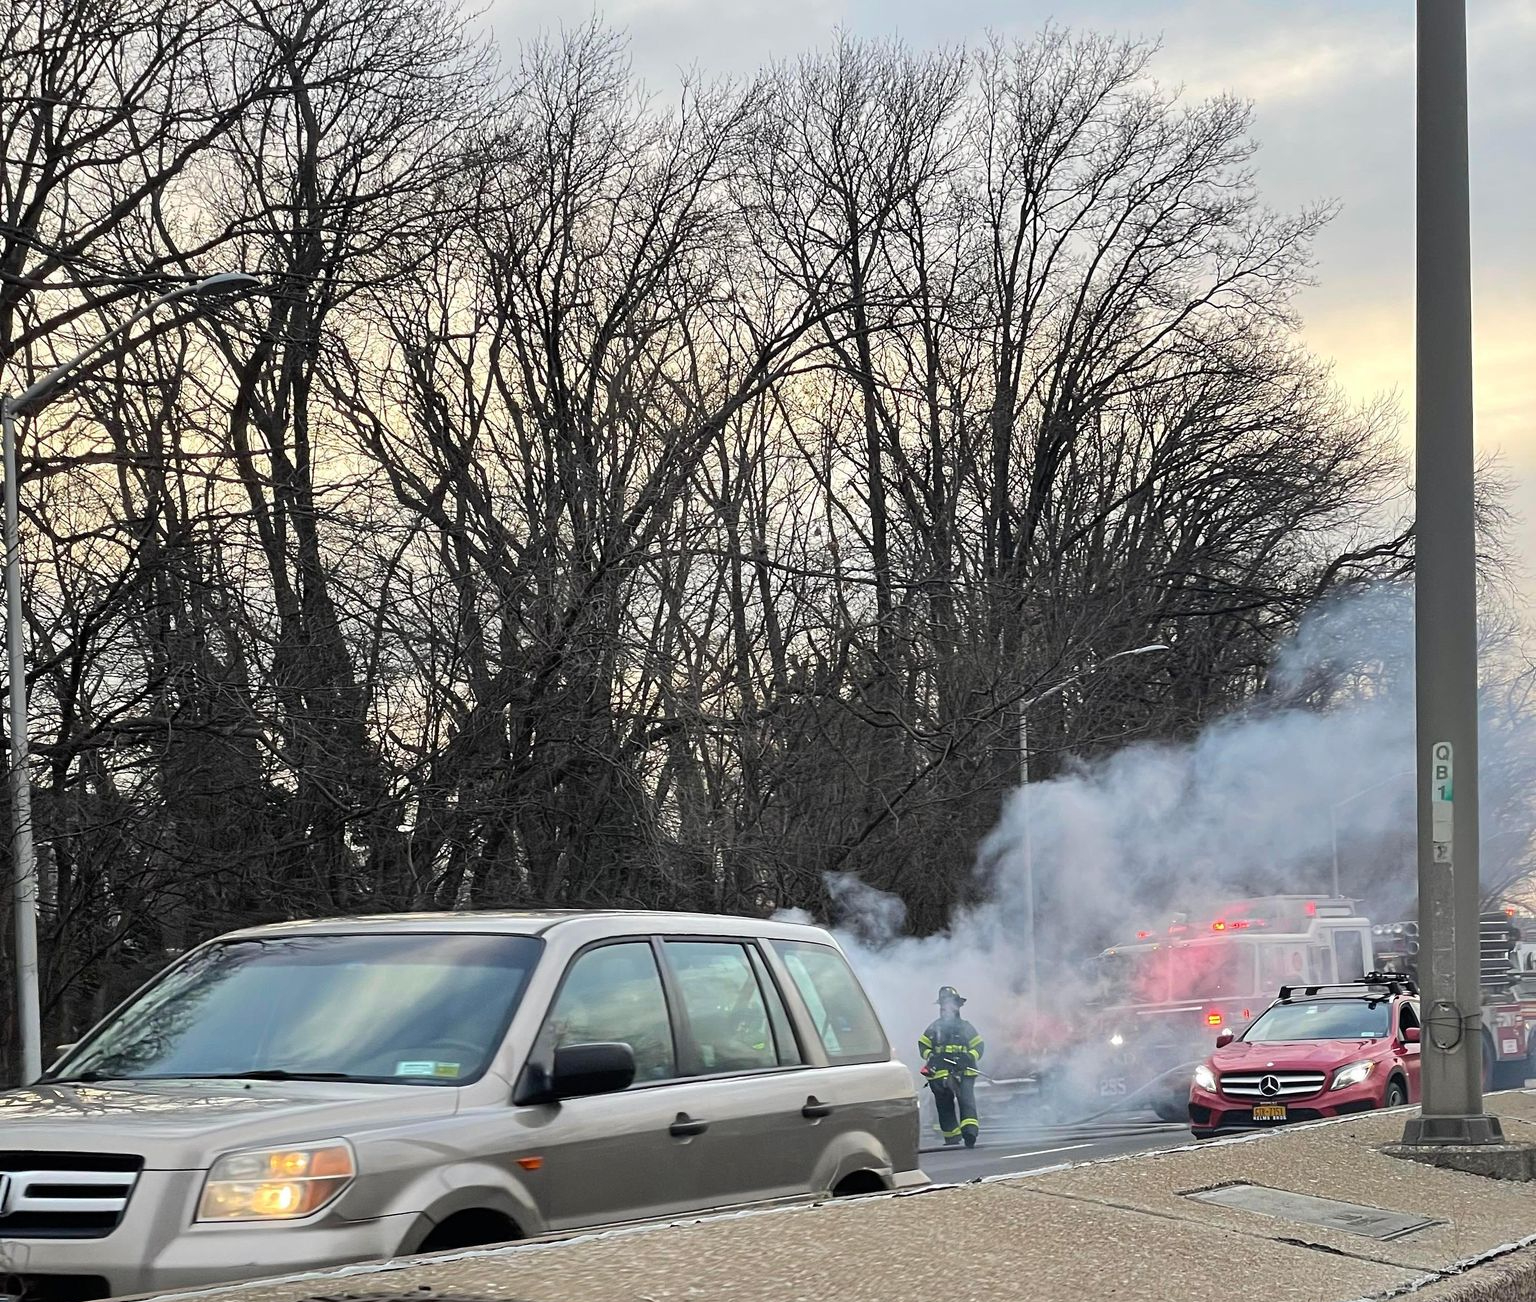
x: 447, y: 1070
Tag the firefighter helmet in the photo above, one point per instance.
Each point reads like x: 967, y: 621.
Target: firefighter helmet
x: 949, y: 992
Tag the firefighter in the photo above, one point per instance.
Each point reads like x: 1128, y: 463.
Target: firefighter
x: 952, y: 1051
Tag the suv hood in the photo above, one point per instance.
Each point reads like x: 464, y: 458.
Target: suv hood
x: 1286, y: 1054
x: 185, y: 1124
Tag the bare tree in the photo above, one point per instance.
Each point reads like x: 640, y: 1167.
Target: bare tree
x: 619, y: 501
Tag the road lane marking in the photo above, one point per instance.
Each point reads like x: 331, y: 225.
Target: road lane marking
x: 1039, y: 1152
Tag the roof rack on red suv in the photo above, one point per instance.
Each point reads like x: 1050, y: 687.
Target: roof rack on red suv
x: 1389, y: 983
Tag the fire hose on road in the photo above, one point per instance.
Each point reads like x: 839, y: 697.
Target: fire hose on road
x: 1176, y: 1078
x: 1170, y: 1077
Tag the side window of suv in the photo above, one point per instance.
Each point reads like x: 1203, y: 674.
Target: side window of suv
x: 1407, y: 1015
x: 614, y: 993
x: 847, y: 1025
x: 737, y: 1022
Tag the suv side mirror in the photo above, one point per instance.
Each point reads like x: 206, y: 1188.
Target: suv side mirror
x: 580, y: 1070
x: 1412, y: 1035
x: 1224, y: 1039
x: 585, y: 1069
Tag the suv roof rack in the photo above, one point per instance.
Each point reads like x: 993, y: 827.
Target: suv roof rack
x: 1392, y: 983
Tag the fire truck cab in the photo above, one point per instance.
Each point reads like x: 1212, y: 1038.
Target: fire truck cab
x: 1164, y: 995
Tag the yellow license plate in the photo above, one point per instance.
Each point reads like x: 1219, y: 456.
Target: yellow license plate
x: 1269, y: 1112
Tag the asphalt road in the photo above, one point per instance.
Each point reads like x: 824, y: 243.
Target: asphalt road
x: 1014, y: 1149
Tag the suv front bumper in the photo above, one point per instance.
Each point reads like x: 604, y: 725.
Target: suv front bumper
x: 156, y: 1248
x: 1211, y: 1113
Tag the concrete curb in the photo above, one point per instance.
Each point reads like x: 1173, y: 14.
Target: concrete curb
x: 1504, y: 1274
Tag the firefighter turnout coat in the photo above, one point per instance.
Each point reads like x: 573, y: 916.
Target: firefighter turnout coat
x: 951, y: 1046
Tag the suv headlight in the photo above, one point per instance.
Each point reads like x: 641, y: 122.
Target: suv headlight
x: 276, y: 1184
x: 1351, y: 1075
x: 1205, y: 1078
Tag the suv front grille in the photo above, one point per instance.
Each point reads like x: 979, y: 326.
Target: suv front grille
x: 1264, y: 1086
x: 64, y: 1195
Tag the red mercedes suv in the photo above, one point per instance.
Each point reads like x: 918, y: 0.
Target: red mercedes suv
x: 1317, y: 1051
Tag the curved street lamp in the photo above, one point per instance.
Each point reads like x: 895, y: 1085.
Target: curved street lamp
x: 1031, y: 967
x: 30, y: 401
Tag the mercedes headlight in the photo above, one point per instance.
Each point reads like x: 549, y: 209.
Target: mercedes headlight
x: 1351, y: 1075
x: 1205, y: 1078
x: 276, y: 1184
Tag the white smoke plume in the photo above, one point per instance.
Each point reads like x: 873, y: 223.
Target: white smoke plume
x: 1249, y: 807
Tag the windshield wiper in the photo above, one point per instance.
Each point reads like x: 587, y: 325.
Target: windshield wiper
x: 261, y: 1073
x: 264, y: 1073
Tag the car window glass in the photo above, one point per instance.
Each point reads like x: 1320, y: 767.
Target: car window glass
x: 423, y: 1009
x: 1349, y: 948
x: 783, y: 1028
x: 1407, y: 1016
x: 1132, y: 975
x: 844, y: 1020
x: 727, y: 1013
x: 614, y: 994
x: 1321, y: 1019
x: 1280, y: 965
x: 1215, y: 969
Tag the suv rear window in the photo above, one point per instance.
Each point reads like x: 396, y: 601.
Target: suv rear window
x: 847, y: 1025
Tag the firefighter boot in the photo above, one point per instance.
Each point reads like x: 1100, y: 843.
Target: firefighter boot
x: 970, y: 1133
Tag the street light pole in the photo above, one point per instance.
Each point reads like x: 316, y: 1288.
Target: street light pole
x: 1031, y: 965
x: 1031, y: 969
x: 30, y: 400
x: 1333, y: 818
x: 1445, y: 584
x: 24, y: 858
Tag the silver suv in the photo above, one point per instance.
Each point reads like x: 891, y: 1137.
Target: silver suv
x: 312, y: 1093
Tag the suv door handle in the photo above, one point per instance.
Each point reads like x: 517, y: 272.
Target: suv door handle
x: 814, y: 1109
x: 685, y: 1126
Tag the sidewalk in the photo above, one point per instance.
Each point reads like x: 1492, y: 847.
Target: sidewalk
x: 1122, y: 1228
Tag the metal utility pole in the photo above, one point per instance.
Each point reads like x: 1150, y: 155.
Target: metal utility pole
x: 1031, y: 964
x: 29, y: 401
x: 1031, y: 949
x: 24, y: 859
x: 1445, y: 586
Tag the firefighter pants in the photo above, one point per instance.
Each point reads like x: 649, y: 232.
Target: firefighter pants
x: 955, y: 1098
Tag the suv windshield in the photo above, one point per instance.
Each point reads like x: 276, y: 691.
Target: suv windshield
x: 412, y: 1009
x: 1323, y: 1019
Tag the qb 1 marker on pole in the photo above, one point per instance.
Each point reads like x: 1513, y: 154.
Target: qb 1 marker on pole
x: 1442, y: 817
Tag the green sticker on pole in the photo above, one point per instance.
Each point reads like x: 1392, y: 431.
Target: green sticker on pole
x: 1441, y: 800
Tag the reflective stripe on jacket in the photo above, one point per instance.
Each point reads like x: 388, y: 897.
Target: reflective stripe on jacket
x: 951, y: 1042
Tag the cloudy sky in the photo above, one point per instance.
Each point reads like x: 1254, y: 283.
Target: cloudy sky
x: 1333, y: 87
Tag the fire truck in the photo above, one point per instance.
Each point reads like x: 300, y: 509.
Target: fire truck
x: 1507, y: 985
x: 1163, y: 996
